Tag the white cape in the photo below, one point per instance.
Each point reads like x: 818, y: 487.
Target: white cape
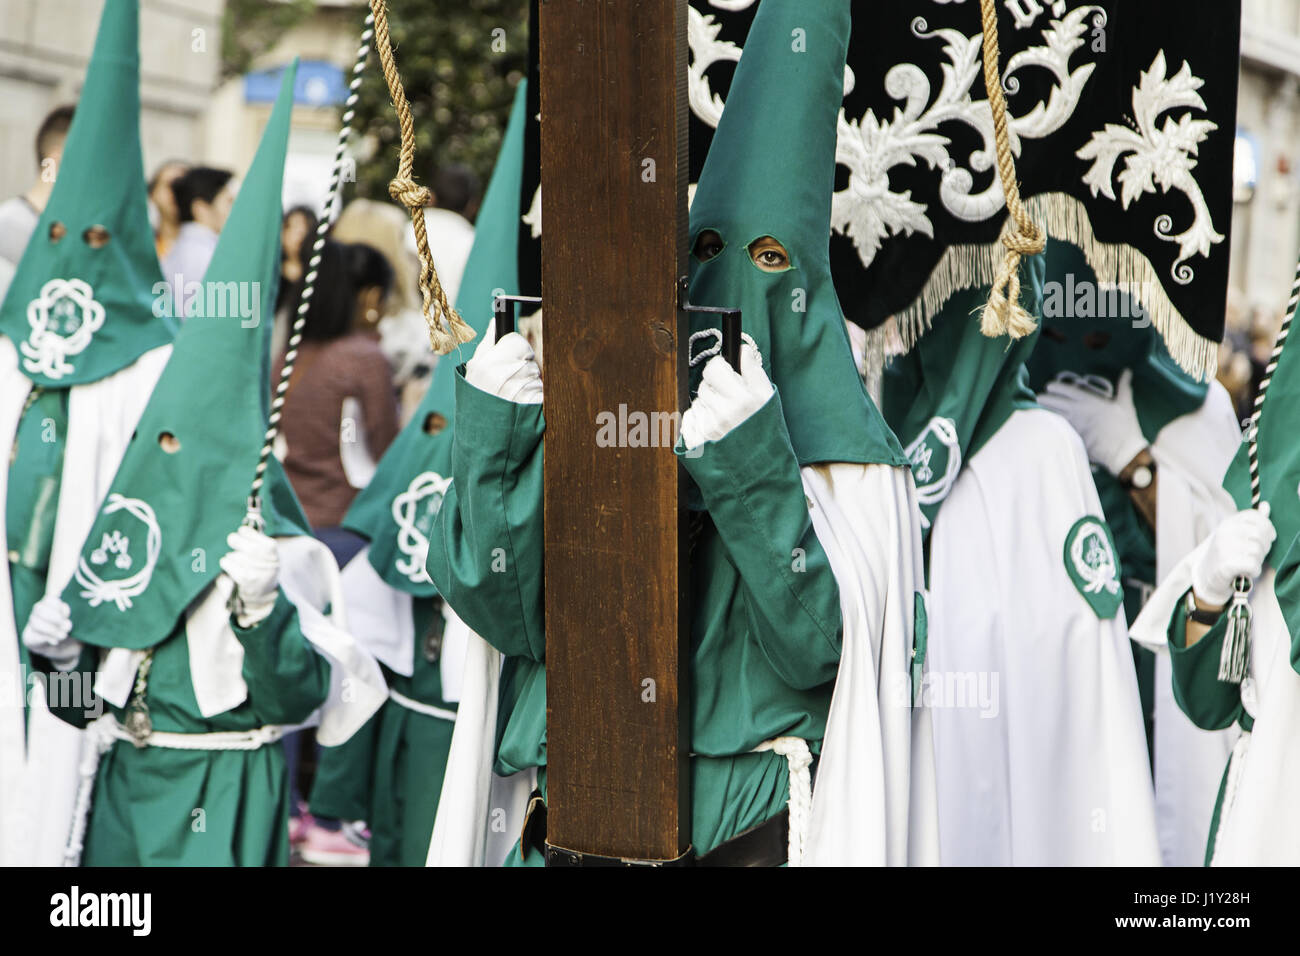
x: 37, y: 791
x: 1039, y: 738
x: 1192, y: 454
x: 873, y: 799
x: 1258, y: 826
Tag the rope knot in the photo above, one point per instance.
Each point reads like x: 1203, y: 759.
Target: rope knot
x: 1029, y: 239
x: 410, y: 193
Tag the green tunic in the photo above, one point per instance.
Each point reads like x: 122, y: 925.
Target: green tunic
x: 390, y: 773
x: 160, y: 807
x: 32, y: 501
x: 766, y: 629
x: 1208, y: 702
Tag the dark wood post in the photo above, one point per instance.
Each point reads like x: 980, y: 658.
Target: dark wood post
x: 614, y: 172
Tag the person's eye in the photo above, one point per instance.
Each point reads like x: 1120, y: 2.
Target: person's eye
x: 707, y: 245
x: 769, y: 255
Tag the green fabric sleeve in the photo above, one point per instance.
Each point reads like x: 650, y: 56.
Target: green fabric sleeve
x: 753, y: 492
x: 486, y: 551
x: 286, y: 678
x: 70, y: 694
x: 345, y: 775
x: 1208, y: 702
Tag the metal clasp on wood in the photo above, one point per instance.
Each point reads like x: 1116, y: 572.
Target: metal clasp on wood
x: 730, y: 321
x: 558, y: 856
x: 503, y: 308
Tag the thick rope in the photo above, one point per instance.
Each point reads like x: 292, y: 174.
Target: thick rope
x: 1004, y: 315
x: 415, y: 197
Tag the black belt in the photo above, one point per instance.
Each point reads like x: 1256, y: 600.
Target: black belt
x: 767, y: 844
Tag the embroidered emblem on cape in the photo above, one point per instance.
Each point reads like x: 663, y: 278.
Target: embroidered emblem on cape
x: 414, y: 510
x: 935, y: 455
x: 1161, y: 157
x: 64, y: 318
x: 114, y: 554
x: 1091, y: 563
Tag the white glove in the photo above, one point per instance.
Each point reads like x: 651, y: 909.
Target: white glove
x: 1108, y: 426
x: 47, y: 632
x: 507, y: 369
x: 253, y: 564
x: 726, y: 399
x: 1237, y: 548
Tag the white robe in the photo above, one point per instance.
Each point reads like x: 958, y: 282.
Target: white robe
x: 1039, y: 738
x: 1192, y: 454
x: 873, y: 799
x: 1258, y: 825
x: 38, y: 782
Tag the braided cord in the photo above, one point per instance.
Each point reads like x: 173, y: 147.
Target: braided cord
x: 1252, y: 431
x: 1004, y: 315
x: 254, y: 518
x: 415, y: 197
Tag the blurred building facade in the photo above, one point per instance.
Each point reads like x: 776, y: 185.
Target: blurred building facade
x: 44, y: 48
x: 189, y: 111
x: 1266, y: 219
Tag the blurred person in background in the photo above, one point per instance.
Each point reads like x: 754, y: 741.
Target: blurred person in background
x: 203, y: 199
x: 297, y: 235
x: 18, y: 215
x: 403, y: 335
x: 164, y: 214
x: 449, y: 223
x: 340, y: 414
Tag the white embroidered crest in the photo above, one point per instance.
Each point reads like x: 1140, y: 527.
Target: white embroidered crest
x: 937, y: 447
x: 1161, y: 157
x: 1093, y: 558
x: 414, y: 510
x: 120, y: 591
x: 64, y: 318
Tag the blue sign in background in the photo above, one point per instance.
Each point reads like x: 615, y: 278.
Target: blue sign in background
x: 319, y: 84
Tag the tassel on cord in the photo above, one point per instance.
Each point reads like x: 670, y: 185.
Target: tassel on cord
x: 1004, y: 315
x: 1234, y: 659
x: 414, y: 197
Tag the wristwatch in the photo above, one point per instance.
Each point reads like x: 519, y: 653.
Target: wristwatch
x: 1141, y: 477
x: 1194, y: 613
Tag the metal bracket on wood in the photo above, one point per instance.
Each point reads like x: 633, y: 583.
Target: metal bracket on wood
x: 731, y: 324
x: 503, y: 307
x: 558, y: 856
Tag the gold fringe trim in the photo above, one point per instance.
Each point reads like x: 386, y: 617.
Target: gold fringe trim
x: 975, y: 266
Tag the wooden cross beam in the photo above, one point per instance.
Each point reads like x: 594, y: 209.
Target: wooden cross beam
x: 614, y: 176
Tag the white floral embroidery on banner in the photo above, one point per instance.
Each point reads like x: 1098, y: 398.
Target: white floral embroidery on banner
x: 64, y: 318
x: 868, y: 210
x: 1161, y: 157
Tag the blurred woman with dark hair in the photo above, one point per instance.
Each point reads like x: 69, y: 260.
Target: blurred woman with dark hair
x: 340, y: 413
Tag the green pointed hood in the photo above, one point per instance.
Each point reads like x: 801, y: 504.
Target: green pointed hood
x: 76, y: 313
x: 158, y: 539
x: 771, y: 172
x: 1086, y: 333
x: 396, y: 510
x: 956, y: 387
